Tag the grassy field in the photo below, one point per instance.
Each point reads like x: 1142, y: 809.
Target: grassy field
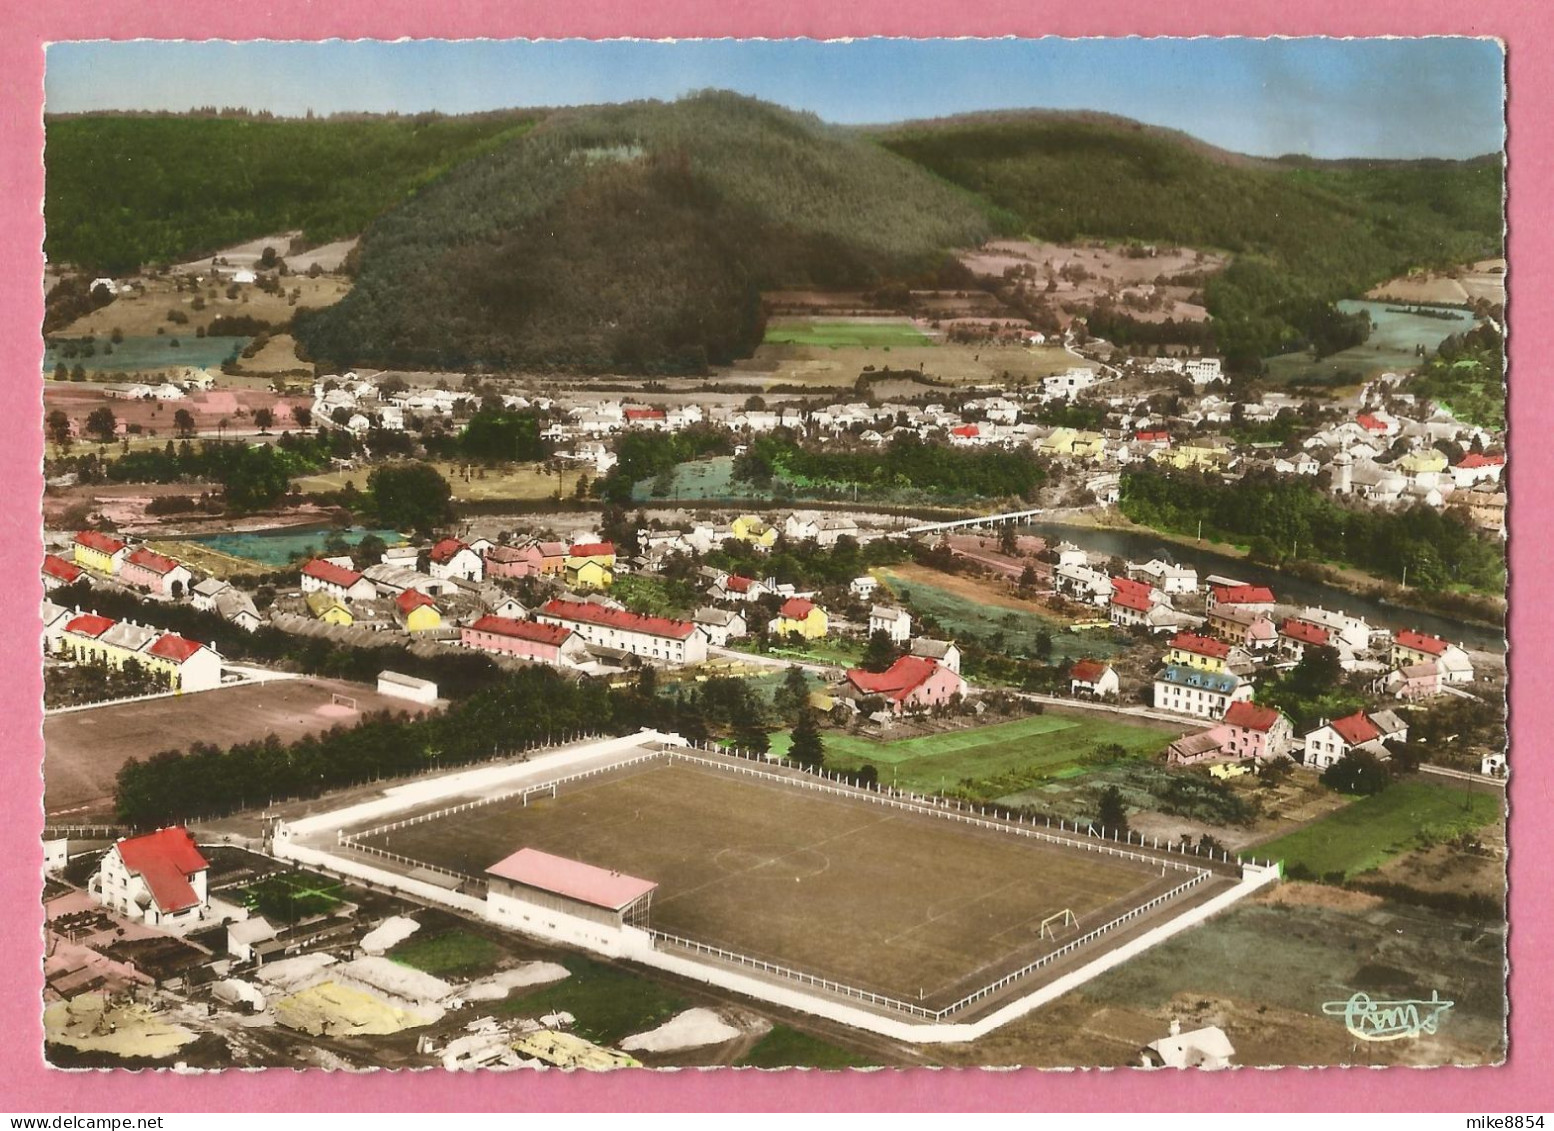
x: 609, y: 1003
x: 791, y: 1048
x: 832, y: 366
x: 982, y: 759
x: 964, y: 606
x: 889, y: 901
x: 291, y: 896
x: 867, y: 333
x: 1370, y: 832
x: 453, y: 952
x: 471, y: 482
x: 203, y: 558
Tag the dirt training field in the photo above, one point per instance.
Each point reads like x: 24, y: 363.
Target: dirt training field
x: 874, y: 897
x: 517, y: 481
x: 83, y: 750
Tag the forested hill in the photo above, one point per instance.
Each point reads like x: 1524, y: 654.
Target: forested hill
x: 124, y: 191
x: 1303, y: 232
x: 637, y: 237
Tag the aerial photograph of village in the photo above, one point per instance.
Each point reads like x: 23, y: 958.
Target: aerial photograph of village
x: 774, y: 554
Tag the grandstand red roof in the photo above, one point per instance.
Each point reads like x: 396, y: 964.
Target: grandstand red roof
x: 645, y: 414
x: 89, y: 624
x: 102, y: 543
x: 1152, y: 437
x: 593, y: 550
x: 571, y: 878
x: 167, y: 860
x: 57, y: 567
x: 1303, y: 631
x: 584, y: 613
x: 1356, y: 728
x: 796, y: 608
x: 411, y: 600
x: 1087, y: 671
x: 898, y: 681
x: 1243, y: 595
x: 331, y: 574
x: 965, y: 431
x: 1370, y: 423
x: 148, y: 559
x: 1251, y: 716
x: 1421, y: 642
x: 1200, y: 645
x: 552, y: 634
x: 446, y: 550
x: 172, y: 647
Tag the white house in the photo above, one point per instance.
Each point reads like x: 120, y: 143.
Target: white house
x: 1093, y: 678
x: 157, y: 879
x: 863, y: 587
x: 1083, y: 584
x: 339, y: 582
x: 943, y: 652
x: 1164, y: 576
x: 894, y: 622
x: 451, y: 559
x: 1192, y: 691
x: 720, y: 626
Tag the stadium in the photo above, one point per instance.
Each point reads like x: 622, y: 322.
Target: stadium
x: 900, y: 914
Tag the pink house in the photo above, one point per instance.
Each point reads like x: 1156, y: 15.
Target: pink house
x: 155, y: 573
x: 527, y: 640
x: 514, y: 561
x: 1413, y: 681
x: 910, y: 685
x: 1255, y: 731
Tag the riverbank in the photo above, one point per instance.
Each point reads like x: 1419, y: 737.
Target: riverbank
x: 1346, y: 578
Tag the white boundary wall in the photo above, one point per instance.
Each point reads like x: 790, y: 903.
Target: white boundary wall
x: 638, y: 946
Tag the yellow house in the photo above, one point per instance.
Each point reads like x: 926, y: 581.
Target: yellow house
x: 1193, y: 651
x: 591, y: 565
x: 416, y: 612
x: 1070, y: 443
x: 750, y: 528
x: 98, y: 551
x: 1193, y: 453
x: 805, y: 618
x: 1422, y: 461
x: 329, y: 609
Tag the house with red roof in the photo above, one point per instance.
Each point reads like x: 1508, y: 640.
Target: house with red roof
x: 1257, y: 732
x: 1334, y: 740
x: 964, y: 434
x: 57, y: 572
x: 320, y: 576
x: 98, y: 551
x: 451, y: 560
x: 1132, y: 601
x: 155, y: 573
x: 1094, y: 679
x: 514, y: 561
x: 1191, y: 650
x: 1240, y: 595
x: 652, y: 638
x: 736, y: 588
x: 909, y: 686
x: 414, y: 611
x: 591, y: 565
x: 799, y: 616
x: 187, y: 664
x: 157, y: 879
x: 1413, y: 681
x: 1296, y: 635
x: 526, y: 640
x: 1377, y: 423
x: 640, y: 417
x: 1410, y: 647
x: 1477, y: 467
x: 1243, y: 626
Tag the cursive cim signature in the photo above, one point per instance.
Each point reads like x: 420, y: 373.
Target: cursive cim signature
x: 1388, y: 1020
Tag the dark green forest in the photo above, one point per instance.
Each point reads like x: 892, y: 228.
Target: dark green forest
x: 635, y: 237
x: 123, y: 191
x: 1302, y: 233
x: 907, y: 462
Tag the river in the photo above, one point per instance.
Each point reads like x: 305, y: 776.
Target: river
x: 1138, y: 546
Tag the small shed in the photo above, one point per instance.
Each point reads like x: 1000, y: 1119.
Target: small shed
x: 398, y: 686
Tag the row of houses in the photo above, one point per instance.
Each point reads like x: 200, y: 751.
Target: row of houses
x: 1256, y: 733
x: 83, y: 637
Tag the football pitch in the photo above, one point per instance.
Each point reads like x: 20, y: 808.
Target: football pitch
x: 883, y: 899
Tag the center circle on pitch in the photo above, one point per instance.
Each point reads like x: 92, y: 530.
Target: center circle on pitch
x: 772, y: 862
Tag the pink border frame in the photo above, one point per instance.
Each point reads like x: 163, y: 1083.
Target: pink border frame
x: 1524, y: 1084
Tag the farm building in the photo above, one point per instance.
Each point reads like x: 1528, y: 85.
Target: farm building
x: 566, y: 900
x: 1093, y: 678
x: 101, y: 552
x: 450, y: 559
x: 910, y: 685
x: 155, y: 573
x: 652, y: 638
x: 802, y: 617
x: 527, y: 640
x: 319, y: 576
x: 158, y: 879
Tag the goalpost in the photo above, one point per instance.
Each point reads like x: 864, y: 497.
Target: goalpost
x: 1064, y: 918
x: 338, y: 700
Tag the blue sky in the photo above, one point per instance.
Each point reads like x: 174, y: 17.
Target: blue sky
x: 1323, y: 97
